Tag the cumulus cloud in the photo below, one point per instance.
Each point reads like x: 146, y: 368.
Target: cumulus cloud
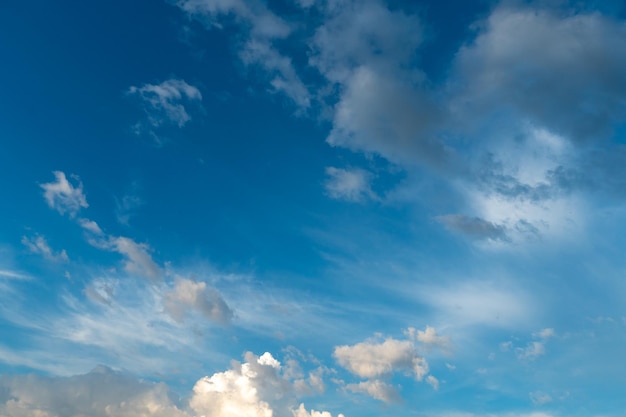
x: 39, y: 245
x: 164, y: 104
x: 376, y: 359
x: 189, y: 296
x: 349, y: 184
x: 64, y: 197
x: 574, y: 84
x: 254, y: 388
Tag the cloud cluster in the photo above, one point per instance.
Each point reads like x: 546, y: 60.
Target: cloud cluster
x: 519, y: 127
x: 534, y: 348
x: 254, y: 388
x: 377, y: 361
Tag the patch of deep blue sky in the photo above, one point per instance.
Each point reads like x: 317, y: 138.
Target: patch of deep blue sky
x: 65, y: 107
x: 242, y: 187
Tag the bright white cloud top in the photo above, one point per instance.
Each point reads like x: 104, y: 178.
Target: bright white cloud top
x: 329, y: 208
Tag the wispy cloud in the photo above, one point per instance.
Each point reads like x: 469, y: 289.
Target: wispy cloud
x: 164, y: 104
x: 64, y: 197
x: 260, y: 29
x: 40, y: 246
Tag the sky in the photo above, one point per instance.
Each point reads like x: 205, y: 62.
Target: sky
x: 312, y: 208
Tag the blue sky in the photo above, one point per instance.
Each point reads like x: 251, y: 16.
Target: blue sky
x: 312, y: 208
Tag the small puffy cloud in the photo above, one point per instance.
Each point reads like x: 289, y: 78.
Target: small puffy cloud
x: 39, y: 245
x: 532, y: 351
x: 349, y: 184
x: 64, y: 197
x: 164, y: 103
x: 545, y: 333
x: 376, y: 389
x: 189, y: 296
x: 374, y: 359
x: 473, y: 227
x: 302, y: 412
x: 506, y: 346
x: 429, y: 337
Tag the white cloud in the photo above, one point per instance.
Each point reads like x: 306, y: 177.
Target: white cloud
x: 90, y: 226
x: 302, y: 412
x: 255, y: 388
x: 252, y: 389
x: 164, y: 104
x: 239, y: 391
x: 39, y: 245
x: 376, y: 359
x: 188, y: 296
x: 433, y: 382
x: 7, y: 274
x: 138, y: 258
x: 545, y: 333
x: 62, y: 196
x: 532, y: 351
x: 429, y: 337
x: 349, y: 184
x: 376, y: 389
x: 261, y: 27
x: 559, y: 84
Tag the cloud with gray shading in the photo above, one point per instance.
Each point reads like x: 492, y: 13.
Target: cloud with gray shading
x: 255, y: 388
x: 561, y: 70
x: 473, y: 227
x: 188, y: 296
